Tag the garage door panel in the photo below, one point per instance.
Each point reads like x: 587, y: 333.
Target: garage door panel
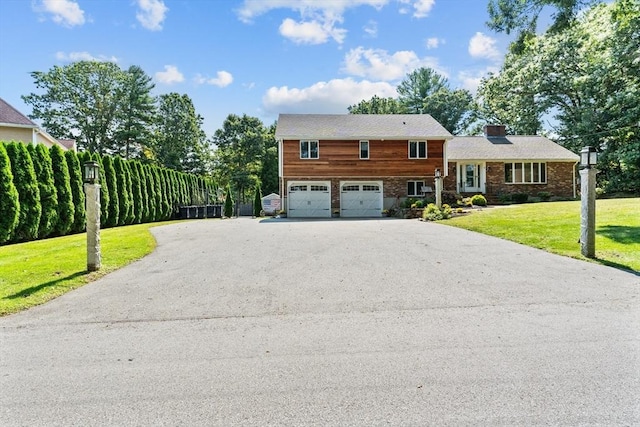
x: 309, y: 200
x: 361, y: 199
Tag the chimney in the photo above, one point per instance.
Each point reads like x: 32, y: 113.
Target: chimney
x: 495, y: 130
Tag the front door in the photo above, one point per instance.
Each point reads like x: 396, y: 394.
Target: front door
x: 470, y: 178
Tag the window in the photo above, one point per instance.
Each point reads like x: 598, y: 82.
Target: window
x: 364, y: 149
x: 350, y: 188
x: 417, y: 149
x: 298, y: 188
x: 309, y: 149
x: 319, y: 188
x: 525, y: 173
x: 370, y: 187
x: 414, y: 188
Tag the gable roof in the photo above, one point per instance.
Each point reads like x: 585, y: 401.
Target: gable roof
x: 359, y: 126
x: 10, y: 116
x: 507, y: 148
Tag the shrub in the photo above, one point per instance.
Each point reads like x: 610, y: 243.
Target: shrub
x: 77, y: 191
x: 228, y: 203
x: 105, y: 197
x: 48, y: 193
x: 257, y: 202
x: 406, y: 204
x: 433, y: 213
x: 504, y: 198
x: 478, y: 200
x: 24, y: 178
x: 9, y: 202
x: 520, y: 197
x: 418, y: 204
x: 61, y: 179
x: 450, y: 197
x: 544, y: 196
x: 111, y: 183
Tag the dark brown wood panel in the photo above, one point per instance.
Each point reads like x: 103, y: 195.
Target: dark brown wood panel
x: 342, y: 158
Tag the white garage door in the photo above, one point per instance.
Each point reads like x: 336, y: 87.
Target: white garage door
x: 309, y: 200
x: 361, y: 199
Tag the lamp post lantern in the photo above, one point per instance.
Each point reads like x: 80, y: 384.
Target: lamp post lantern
x: 588, y: 161
x: 438, y: 180
x: 91, y: 179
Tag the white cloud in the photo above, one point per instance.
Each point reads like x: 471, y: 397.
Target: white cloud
x: 371, y: 29
x: 64, y: 12
x: 433, y: 42
x: 319, y: 19
x: 483, y: 46
x: 378, y: 64
x: 421, y: 8
x: 151, y: 14
x: 222, y: 79
x: 333, y: 96
x: 83, y: 56
x: 310, y: 32
x: 170, y: 75
x: 471, y: 79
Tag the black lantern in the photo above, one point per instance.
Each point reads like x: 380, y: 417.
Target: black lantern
x: 91, y: 175
x: 437, y: 173
x: 588, y: 157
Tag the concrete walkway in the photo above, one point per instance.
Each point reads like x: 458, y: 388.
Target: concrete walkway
x: 338, y: 322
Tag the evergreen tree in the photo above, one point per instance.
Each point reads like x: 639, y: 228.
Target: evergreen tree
x: 124, y: 198
x: 257, y: 202
x: 9, y: 199
x: 24, y: 178
x: 228, y: 203
x: 105, y: 198
x: 144, y: 198
x: 111, y: 182
x: 131, y: 214
x: 136, y: 192
x: 61, y: 179
x: 48, y: 194
x: 151, y: 192
x: 77, y: 191
x: 157, y: 194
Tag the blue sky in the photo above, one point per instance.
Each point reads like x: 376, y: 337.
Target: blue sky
x: 255, y: 57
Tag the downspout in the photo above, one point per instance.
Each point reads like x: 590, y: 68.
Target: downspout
x: 575, y: 165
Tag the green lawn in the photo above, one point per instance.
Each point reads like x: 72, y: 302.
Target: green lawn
x: 33, y: 273
x: 555, y: 227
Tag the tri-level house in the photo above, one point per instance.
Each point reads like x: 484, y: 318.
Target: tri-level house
x: 356, y: 164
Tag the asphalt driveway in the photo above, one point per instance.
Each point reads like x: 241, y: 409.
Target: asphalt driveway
x: 361, y: 322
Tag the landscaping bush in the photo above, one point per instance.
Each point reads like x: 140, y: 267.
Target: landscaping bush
x: 77, y: 191
x: 24, y: 179
x: 544, y: 196
x: 520, y: 197
x: 111, y: 183
x: 418, y: 204
x: 450, y: 197
x: 478, y: 200
x: 48, y: 193
x: 105, y: 197
x: 228, y: 203
x: 504, y: 198
x: 61, y: 180
x: 136, y: 191
x: 9, y: 203
x: 433, y: 213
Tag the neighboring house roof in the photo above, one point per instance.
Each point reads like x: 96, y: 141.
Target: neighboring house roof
x: 507, y: 148
x: 359, y: 126
x: 11, y: 116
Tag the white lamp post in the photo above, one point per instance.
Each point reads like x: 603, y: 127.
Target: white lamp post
x: 438, y: 179
x: 92, y: 200
x: 588, y: 161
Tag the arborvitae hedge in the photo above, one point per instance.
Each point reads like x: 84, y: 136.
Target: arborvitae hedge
x: 131, y: 213
x: 124, y: 198
x: 114, y: 196
x: 9, y: 198
x: 166, y: 196
x: 105, y: 196
x: 24, y: 178
x: 77, y: 190
x: 144, y: 204
x: 136, y: 193
x: 148, y: 171
x: 61, y: 180
x: 48, y: 194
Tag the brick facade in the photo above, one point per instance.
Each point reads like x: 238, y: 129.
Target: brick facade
x: 560, y: 180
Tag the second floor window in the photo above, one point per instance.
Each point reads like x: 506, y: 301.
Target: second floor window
x: 364, y: 149
x: 309, y: 149
x: 417, y: 149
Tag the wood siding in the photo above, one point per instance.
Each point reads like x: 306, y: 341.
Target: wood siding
x: 342, y: 158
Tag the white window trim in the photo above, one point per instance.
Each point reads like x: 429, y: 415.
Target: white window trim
x: 360, y: 149
x: 417, y: 188
x: 513, y: 171
x: 426, y: 151
x: 309, y: 141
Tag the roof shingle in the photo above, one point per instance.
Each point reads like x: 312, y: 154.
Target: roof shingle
x: 507, y: 148
x: 10, y: 115
x: 359, y: 126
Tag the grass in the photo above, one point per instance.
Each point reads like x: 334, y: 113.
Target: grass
x: 555, y: 227
x: 33, y: 273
